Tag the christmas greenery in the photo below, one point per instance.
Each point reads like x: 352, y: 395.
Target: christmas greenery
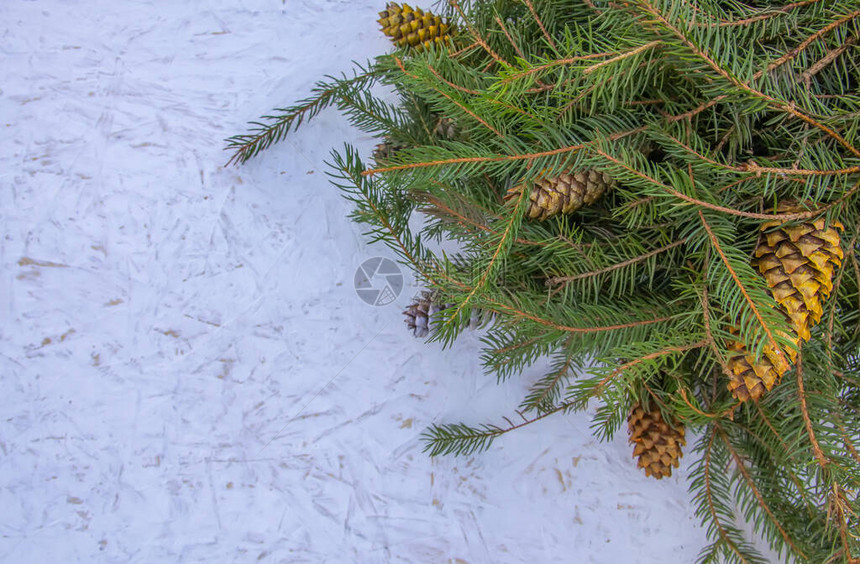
x: 661, y: 197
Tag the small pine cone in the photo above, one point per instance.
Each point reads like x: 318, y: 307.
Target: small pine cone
x: 798, y: 261
x: 420, y: 314
x: 657, y: 444
x: 564, y: 193
x: 445, y: 128
x: 386, y: 150
x: 750, y: 379
x: 412, y: 27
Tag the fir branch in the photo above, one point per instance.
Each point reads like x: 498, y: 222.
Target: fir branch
x: 762, y: 417
x: 801, y: 396
x: 752, y: 167
x: 709, y: 336
x: 697, y: 110
x: 499, y: 253
x: 449, y: 97
x: 836, y: 503
x: 515, y: 312
x: 710, y: 508
x: 510, y: 77
x: 755, y: 19
x: 621, y: 56
x: 779, y: 104
x: 361, y: 192
x: 597, y: 389
x: 476, y: 35
x: 264, y: 135
x: 465, y: 49
x: 540, y: 24
x: 459, y: 439
x: 448, y: 82
x: 725, y: 413
x: 806, y: 43
x: 832, y: 55
x: 716, y: 244
x: 498, y: 158
x: 510, y: 39
x: 714, y: 207
x: 739, y: 464
x: 543, y: 395
x: 563, y: 280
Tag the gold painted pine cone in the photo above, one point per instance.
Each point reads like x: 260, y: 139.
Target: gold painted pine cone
x: 656, y: 443
x: 413, y: 27
x: 750, y: 379
x: 798, y: 262
x: 564, y: 193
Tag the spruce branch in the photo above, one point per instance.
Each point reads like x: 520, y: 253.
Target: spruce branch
x: 597, y: 388
x: 801, y: 396
x: 722, y: 209
x: 564, y: 280
x: 460, y: 439
x: 832, y: 55
x: 711, y: 489
x: 279, y: 124
x: 806, y: 43
x: 761, y: 17
x: 449, y: 97
x: 502, y: 248
x: 477, y: 35
x: 777, y: 103
x: 537, y: 19
x: 742, y: 288
x: 750, y: 483
x: 544, y: 394
x: 528, y: 156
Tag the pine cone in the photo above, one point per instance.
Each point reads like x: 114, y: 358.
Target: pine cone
x: 798, y: 261
x: 750, y: 379
x: 445, y: 128
x: 657, y: 444
x: 564, y: 193
x: 412, y: 27
x: 386, y: 150
x: 420, y: 314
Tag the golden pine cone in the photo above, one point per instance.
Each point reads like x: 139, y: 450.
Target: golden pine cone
x: 750, y: 378
x: 413, y: 27
x: 657, y: 444
x: 798, y: 261
x: 564, y: 193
